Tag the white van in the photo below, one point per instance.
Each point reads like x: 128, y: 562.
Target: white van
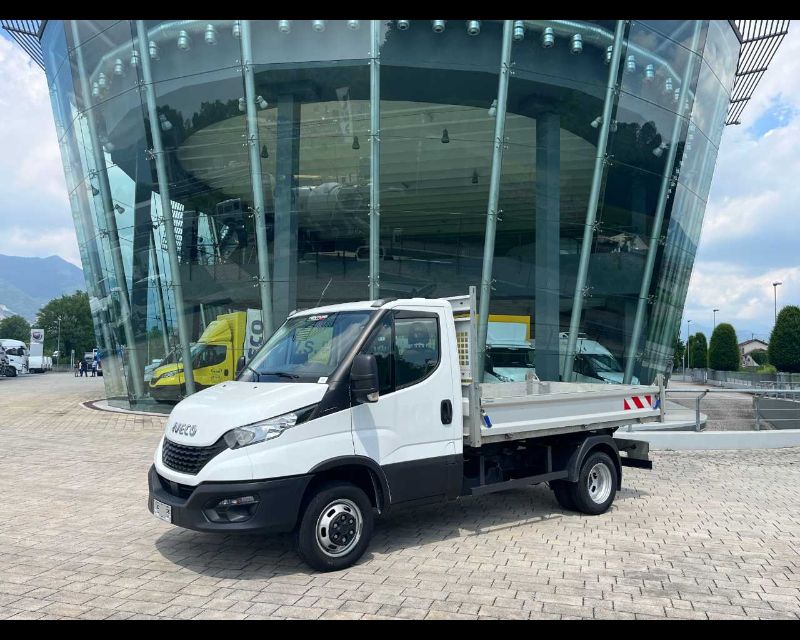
x: 17, y: 352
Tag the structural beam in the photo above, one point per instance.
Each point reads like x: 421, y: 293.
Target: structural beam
x: 136, y: 372
x: 494, y: 194
x: 287, y: 168
x: 594, y: 198
x: 667, y: 183
x: 259, y: 211
x: 374, y: 159
x: 548, y: 223
x: 184, y: 336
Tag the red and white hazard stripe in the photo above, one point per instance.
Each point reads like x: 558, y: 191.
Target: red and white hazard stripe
x: 631, y: 403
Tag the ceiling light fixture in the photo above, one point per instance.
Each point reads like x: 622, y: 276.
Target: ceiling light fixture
x: 438, y: 25
x: 119, y: 67
x: 184, y: 43
x: 237, y: 29
x: 318, y: 25
x: 519, y: 30
x: 403, y: 24
x: 285, y: 26
x: 548, y: 38
x: 153, y: 50
x: 210, y: 35
x: 353, y: 24
x: 576, y: 44
x: 473, y: 27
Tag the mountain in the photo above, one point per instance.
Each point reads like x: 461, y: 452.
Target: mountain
x: 27, y: 284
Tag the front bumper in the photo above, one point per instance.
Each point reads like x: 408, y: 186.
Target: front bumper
x: 193, y: 507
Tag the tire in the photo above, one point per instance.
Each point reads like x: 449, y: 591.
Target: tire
x: 595, y: 497
x: 337, y: 503
x: 563, y: 493
x: 12, y: 372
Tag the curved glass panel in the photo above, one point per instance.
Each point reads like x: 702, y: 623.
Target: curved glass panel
x: 302, y: 166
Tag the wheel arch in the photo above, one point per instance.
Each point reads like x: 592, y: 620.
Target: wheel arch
x: 604, y: 443
x: 363, y: 472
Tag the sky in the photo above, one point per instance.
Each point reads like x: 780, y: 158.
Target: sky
x: 751, y: 230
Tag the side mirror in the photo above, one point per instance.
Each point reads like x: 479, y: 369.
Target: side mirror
x: 364, y: 381
x: 239, y: 366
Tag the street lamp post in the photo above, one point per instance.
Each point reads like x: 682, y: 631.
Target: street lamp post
x: 688, y: 355
x: 715, y: 319
x: 58, y: 342
x: 775, y: 286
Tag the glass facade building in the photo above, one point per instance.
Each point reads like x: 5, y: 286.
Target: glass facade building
x: 220, y: 168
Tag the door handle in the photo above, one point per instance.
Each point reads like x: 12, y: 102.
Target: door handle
x: 447, y: 412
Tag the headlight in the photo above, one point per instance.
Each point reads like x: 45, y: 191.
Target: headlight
x: 168, y: 374
x: 266, y: 429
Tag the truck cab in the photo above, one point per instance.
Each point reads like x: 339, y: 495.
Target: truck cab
x: 214, y: 358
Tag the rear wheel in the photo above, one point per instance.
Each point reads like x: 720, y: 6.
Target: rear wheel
x: 11, y: 372
x: 596, y: 487
x: 336, y: 527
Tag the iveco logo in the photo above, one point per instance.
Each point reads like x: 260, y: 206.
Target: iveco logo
x: 184, y: 429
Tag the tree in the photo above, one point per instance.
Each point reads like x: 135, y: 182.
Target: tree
x: 723, y: 353
x: 77, y: 331
x: 15, y: 328
x: 677, y: 354
x: 784, y: 342
x: 760, y: 356
x: 698, y: 351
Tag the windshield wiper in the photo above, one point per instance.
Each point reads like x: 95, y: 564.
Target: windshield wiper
x: 282, y: 374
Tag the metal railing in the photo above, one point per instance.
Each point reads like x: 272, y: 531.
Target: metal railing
x: 768, y: 403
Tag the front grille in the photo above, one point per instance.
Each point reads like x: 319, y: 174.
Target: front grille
x: 188, y: 459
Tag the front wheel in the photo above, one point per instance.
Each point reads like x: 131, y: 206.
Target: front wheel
x: 596, y: 487
x: 336, y: 527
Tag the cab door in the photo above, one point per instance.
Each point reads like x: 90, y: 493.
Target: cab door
x: 410, y: 430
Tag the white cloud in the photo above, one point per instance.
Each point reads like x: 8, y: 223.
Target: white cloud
x: 751, y: 231
x: 35, y: 214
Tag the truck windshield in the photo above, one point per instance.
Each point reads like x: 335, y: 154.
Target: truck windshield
x: 307, y: 348
x: 603, y: 362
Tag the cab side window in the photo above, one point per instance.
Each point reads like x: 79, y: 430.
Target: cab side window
x: 416, y: 347
x: 380, y: 346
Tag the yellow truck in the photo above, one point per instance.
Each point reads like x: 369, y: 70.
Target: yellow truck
x: 214, y: 358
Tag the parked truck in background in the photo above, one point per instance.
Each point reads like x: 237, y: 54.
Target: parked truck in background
x: 510, y: 354
x: 350, y: 410
x: 214, y: 358
x: 17, y: 353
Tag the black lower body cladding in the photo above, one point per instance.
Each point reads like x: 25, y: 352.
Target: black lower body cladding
x: 275, y: 511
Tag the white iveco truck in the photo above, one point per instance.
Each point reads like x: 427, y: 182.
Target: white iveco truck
x: 352, y: 409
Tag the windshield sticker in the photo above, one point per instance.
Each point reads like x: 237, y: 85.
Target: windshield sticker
x: 317, y: 318
x: 322, y: 381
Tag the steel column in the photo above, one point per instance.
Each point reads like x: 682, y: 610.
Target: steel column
x: 184, y: 336
x: 658, y: 221
x: 594, y: 197
x: 137, y: 375
x: 264, y: 282
x: 374, y: 159
x: 162, y: 308
x: 494, y: 194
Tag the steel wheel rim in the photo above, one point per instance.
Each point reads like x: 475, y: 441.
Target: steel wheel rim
x: 339, y: 528
x: 599, y: 483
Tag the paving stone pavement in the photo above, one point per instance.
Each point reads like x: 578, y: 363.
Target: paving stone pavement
x: 703, y: 535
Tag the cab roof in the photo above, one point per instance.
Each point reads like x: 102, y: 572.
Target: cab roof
x: 369, y: 305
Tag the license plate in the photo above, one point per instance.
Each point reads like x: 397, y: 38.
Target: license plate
x: 162, y: 511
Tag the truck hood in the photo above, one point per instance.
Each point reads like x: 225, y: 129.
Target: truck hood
x: 218, y: 409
